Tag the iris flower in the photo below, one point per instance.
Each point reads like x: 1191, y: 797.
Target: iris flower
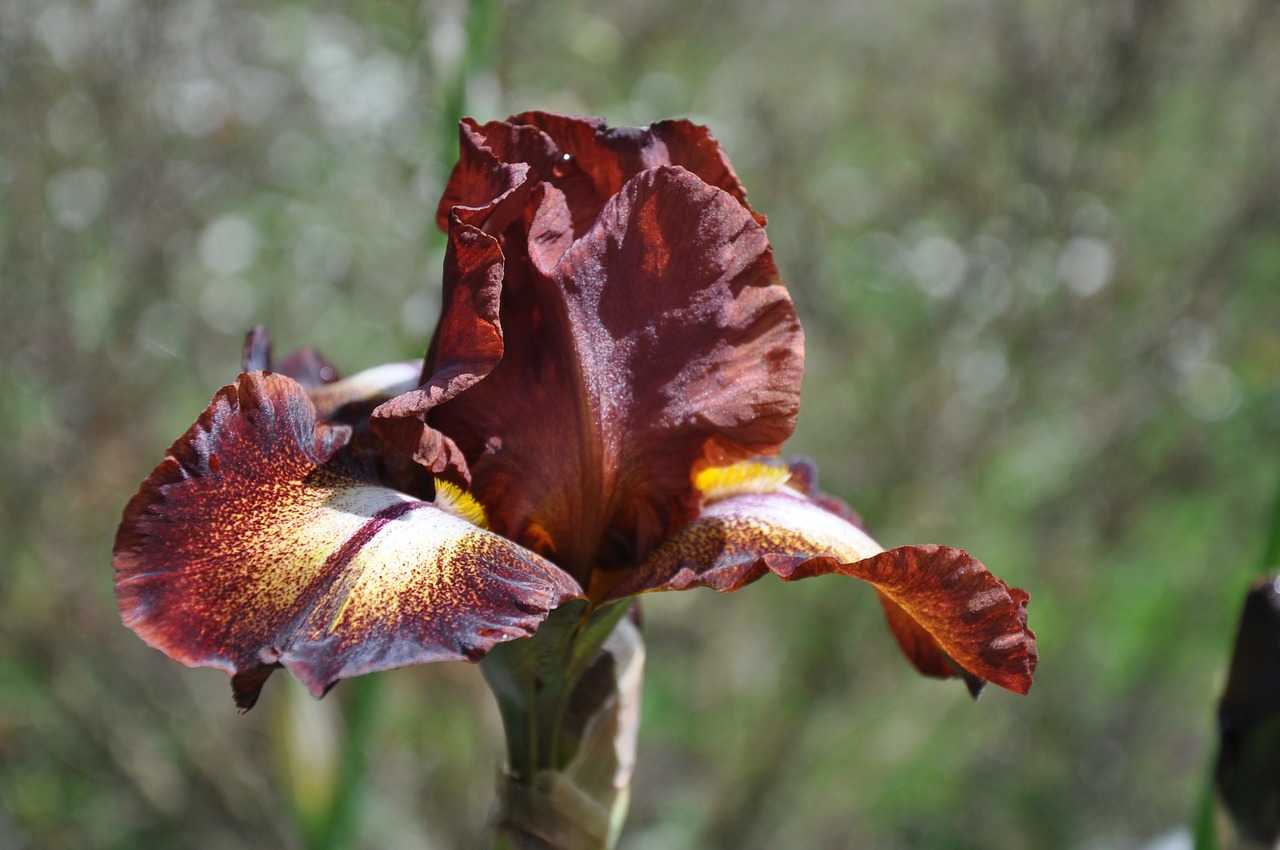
x: 599, y: 416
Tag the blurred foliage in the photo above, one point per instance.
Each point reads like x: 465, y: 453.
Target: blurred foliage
x: 1035, y: 248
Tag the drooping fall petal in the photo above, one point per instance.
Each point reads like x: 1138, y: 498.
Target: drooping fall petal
x: 249, y: 548
x: 627, y: 355
x: 942, y: 605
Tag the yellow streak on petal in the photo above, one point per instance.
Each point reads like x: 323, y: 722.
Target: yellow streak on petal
x: 748, y: 476
x: 454, y: 500
x: 411, y: 568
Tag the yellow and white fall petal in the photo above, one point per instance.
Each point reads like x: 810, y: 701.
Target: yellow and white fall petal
x: 249, y: 548
x: 950, y: 615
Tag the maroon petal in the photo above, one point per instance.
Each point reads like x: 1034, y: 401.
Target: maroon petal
x: 943, y: 606
x: 488, y: 177
x: 610, y: 156
x: 467, y: 345
x: 582, y: 157
x: 661, y: 335
x: 249, y: 548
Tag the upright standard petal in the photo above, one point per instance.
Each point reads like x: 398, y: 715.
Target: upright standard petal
x: 950, y: 615
x: 662, y: 336
x: 467, y: 345
x: 249, y: 548
x: 584, y: 158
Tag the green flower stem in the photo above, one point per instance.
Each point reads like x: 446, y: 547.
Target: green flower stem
x: 569, y: 698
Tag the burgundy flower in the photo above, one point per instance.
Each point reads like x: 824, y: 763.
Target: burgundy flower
x: 616, y: 363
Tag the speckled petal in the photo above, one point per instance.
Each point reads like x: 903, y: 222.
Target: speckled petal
x: 249, y: 548
x: 942, y: 605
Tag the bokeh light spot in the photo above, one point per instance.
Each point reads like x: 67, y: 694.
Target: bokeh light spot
x: 1086, y: 265
x: 76, y: 196
x: 229, y: 245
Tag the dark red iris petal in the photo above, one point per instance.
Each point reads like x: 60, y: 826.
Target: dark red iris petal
x: 628, y: 355
x: 249, y: 548
x: 584, y: 158
x: 950, y: 615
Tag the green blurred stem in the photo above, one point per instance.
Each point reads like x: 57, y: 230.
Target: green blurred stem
x: 1206, y: 826
x: 326, y: 793
x: 483, y: 26
x: 343, y: 822
x: 1271, y: 552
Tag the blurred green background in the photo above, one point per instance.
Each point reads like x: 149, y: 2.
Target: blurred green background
x: 1036, y: 247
